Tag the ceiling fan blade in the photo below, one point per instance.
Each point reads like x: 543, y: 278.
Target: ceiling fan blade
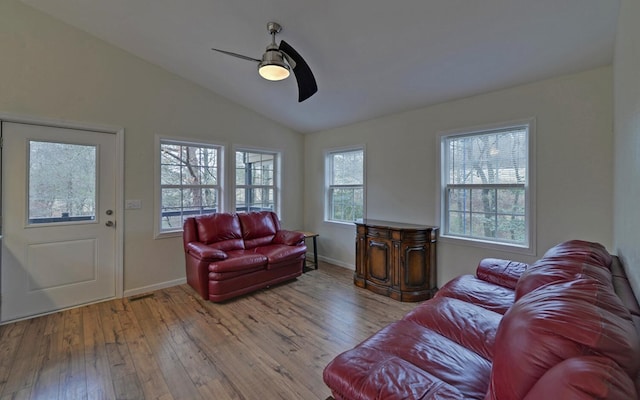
x: 306, y: 82
x: 237, y: 55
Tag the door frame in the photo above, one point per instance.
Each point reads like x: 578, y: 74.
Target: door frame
x: 119, y: 184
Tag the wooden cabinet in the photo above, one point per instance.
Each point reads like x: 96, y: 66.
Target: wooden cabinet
x: 396, y: 259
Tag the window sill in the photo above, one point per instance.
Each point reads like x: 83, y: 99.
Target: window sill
x: 483, y: 244
x: 343, y: 224
x: 166, y: 235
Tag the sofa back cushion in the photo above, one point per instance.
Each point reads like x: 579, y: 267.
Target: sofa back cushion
x: 567, y: 261
x: 566, y: 309
x: 587, y: 377
x: 258, y: 228
x: 221, y: 231
x: 559, y: 322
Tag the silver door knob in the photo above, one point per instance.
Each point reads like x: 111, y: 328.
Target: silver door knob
x: 109, y: 223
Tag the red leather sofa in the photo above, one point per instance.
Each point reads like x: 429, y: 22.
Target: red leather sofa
x: 228, y: 255
x: 566, y: 327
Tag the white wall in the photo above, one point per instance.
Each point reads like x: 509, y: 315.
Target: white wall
x: 627, y: 141
x: 574, y: 166
x: 49, y: 69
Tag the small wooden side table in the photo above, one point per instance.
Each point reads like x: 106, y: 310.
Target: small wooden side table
x: 313, y: 236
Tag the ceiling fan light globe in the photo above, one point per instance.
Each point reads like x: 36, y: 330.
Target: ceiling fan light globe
x: 273, y: 72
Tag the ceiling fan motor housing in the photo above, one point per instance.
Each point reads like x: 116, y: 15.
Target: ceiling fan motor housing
x: 272, y: 66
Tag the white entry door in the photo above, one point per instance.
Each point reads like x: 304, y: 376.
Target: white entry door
x: 58, y: 225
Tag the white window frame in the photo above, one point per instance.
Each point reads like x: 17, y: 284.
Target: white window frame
x: 159, y: 141
x: 529, y: 247
x: 329, y: 186
x: 277, y: 187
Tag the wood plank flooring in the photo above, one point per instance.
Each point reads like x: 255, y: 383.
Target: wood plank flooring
x: 171, y: 344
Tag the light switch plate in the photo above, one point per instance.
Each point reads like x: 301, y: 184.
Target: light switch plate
x: 133, y: 204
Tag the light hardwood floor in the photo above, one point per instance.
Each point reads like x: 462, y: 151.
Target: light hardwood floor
x: 272, y: 344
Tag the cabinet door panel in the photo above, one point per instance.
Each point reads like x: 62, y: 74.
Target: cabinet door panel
x: 414, y: 267
x: 378, y: 262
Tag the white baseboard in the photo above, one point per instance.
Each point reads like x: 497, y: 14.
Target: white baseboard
x: 337, y: 262
x: 151, y: 288
x: 162, y: 285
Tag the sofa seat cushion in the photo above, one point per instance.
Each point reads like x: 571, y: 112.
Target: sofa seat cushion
x: 278, y: 253
x: 372, y: 374
x: 239, y: 260
x: 408, y: 360
x: 466, y: 324
x: 487, y: 295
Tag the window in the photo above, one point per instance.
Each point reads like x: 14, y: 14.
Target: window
x: 345, y: 185
x: 62, y: 182
x: 189, y: 182
x: 256, y: 181
x: 486, y: 185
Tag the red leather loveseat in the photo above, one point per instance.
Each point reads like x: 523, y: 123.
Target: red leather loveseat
x: 566, y: 327
x: 228, y: 255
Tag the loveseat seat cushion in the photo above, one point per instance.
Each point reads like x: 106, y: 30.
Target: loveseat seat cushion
x: 221, y: 231
x: 277, y: 254
x: 239, y: 260
x: 258, y: 228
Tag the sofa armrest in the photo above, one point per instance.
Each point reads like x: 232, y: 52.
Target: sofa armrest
x: 290, y: 238
x: 204, y: 252
x: 501, y: 272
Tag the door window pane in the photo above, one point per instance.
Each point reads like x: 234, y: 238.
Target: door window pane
x: 62, y: 182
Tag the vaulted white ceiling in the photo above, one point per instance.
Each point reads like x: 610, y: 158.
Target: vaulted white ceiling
x: 369, y: 57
